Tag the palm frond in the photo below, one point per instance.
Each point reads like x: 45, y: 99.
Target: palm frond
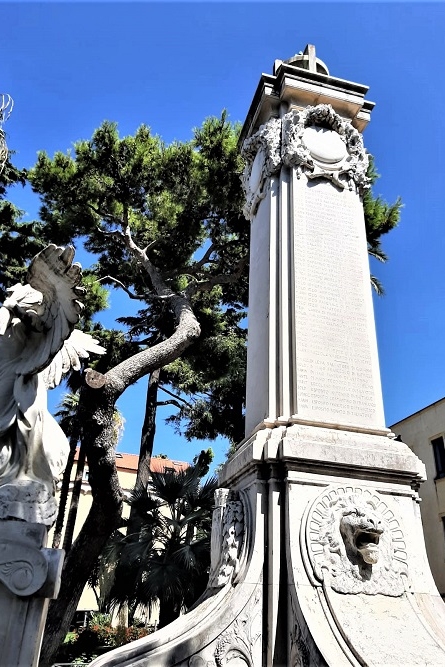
x: 377, y: 286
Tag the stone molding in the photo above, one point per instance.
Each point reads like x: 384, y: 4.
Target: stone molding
x: 352, y: 542
x: 28, y: 500
x: 238, y: 641
x: 292, y: 141
x: 23, y: 569
x: 262, y: 152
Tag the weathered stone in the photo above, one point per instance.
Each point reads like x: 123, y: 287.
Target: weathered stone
x: 38, y: 345
x: 29, y: 578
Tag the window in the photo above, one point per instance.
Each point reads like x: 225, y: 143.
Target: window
x: 439, y: 456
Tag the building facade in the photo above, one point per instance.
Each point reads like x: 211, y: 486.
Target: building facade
x: 424, y: 433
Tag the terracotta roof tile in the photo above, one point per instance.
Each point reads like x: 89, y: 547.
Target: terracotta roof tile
x: 159, y: 465
x: 129, y: 463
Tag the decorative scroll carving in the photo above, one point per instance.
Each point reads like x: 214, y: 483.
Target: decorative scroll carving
x: 236, y: 646
x: 355, y: 543
x: 239, y: 645
x: 262, y: 152
x: 199, y: 661
x: 299, y: 652
x: 320, y: 143
x: 227, y: 538
x: 23, y: 570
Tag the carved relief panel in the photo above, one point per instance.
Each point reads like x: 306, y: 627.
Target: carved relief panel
x: 352, y: 542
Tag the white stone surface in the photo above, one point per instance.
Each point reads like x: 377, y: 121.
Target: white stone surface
x: 29, y: 577
x: 37, y: 347
x: 261, y: 349
x: 311, y: 320
x: 324, y: 145
x: 337, y: 371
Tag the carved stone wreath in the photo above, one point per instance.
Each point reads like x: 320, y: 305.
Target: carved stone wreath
x: 317, y: 141
x: 355, y: 543
x: 322, y: 144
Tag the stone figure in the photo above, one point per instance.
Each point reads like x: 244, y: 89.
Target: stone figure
x: 38, y: 345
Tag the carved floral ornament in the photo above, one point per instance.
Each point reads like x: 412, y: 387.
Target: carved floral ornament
x: 317, y: 141
x: 228, y: 538
x: 353, y: 543
x: 240, y: 644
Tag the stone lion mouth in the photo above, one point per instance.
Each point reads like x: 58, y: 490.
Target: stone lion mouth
x: 367, y: 545
x: 367, y: 540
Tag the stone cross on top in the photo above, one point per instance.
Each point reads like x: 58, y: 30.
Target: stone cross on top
x: 307, y: 60
x: 311, y: 60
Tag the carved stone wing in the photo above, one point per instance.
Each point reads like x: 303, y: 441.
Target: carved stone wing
x: 76, y: 347
x: 51, y: 319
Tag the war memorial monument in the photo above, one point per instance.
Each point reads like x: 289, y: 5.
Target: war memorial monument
x: 318, y: 555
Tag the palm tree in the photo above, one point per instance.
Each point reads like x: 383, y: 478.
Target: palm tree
x: 167, y: 562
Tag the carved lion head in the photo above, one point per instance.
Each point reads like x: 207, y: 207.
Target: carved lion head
x: 355, y: 542
x: 361, y: 529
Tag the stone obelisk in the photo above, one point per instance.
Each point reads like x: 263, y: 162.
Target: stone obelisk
x: 317, y: 547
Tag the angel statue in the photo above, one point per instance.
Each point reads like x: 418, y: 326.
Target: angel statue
x: 38, y: 345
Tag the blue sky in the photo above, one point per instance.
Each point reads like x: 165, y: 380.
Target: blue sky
x: 69, y: 66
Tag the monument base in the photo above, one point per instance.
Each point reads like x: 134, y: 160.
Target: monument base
x: 29, y: 578
x: 318, y: 558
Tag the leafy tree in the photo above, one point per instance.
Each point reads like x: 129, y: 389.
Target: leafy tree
x: 211, y: 376
x: 167, y: 561
x: 380, y: 218
x: 19, y: 241
x: 155, y: 216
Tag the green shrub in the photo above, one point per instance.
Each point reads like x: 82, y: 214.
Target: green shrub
x: 99, y: 637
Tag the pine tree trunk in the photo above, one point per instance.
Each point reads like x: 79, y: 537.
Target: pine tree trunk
x: 102, y: 520
x: 98, y: 437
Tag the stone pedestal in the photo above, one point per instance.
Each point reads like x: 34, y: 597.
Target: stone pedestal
x: 318, y: 555
x: 29, y: 578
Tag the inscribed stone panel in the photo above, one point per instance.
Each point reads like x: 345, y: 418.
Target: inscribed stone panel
x: 337, y: 370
